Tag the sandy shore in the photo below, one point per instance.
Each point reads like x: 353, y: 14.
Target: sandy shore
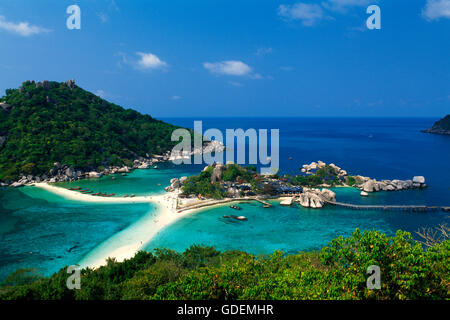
x: 126, y: 243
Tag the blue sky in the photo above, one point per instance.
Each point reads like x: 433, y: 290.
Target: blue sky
x: 238, y: 58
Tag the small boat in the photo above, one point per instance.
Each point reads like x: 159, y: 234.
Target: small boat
x: 235, y: 207
x: 126, y: 196
x: 75, y: 189
x: 97, y: 194
x: 132, y: 196
x: 290, y: 158
x: 124, y: 174
x: 109, y: 195
x: 267, y: 206
x: 240, y: 218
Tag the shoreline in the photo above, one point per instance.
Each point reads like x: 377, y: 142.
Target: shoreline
x: 126, y: 243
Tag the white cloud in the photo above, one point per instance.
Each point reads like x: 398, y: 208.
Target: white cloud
x: 149, y: 61
x: 22, y: 28
x: 340, y: 5
x: 308, y: 14
x: 436, y: 9
x: 232, y: 68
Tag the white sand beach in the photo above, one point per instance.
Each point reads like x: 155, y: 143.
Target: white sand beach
x: 125, y: 244
x: 128, y: 242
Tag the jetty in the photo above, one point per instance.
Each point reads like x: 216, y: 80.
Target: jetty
x: 414, y: 208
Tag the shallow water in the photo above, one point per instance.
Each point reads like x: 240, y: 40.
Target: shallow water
x: 137, y: 182
x: 43, y: 231
x: 289, y: 229
x: 34, y: 220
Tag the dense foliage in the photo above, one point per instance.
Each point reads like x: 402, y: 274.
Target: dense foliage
x: 61, y: 123
x: 201, y: 184
x: 338, y: 271
x: 324, y: 175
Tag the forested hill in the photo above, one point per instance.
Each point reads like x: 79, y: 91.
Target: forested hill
x: 441, y: 127
x: 46, y: 122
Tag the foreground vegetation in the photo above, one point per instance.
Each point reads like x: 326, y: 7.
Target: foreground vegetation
x: 338, y: 271
x: 60, y: 122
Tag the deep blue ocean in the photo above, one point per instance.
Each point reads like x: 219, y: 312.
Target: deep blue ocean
x: 46, y: 232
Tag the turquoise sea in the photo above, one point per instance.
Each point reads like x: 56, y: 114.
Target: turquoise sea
x: 46, y: 232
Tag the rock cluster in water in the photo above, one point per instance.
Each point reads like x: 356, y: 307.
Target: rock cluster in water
x: 369, y: 185
x: 310, y: 168
x: 315, y: 198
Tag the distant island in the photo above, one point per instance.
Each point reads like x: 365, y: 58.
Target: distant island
x: 440, y: 127
x: 58, y: 130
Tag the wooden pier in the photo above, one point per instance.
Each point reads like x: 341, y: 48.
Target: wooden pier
x: 414, y: 208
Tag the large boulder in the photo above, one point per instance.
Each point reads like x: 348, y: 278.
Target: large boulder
x: 94, y: 174
x: 418, y: 179
x: 328, y: 195
x: 310, y: 199
x: 233, y: 192
x: 124, y: 169
x: 70, y: 172
x: 368, y: 186
x: 16, y: 185
x: 175, y: 183
x: 183, y: 179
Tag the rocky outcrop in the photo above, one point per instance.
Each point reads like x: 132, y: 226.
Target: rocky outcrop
x: 233, y: 192
x: 183, y: 179
x: 16, y: 184
x: 44, y: 84
x: 315, y: 198
x: 217, y: 173
x: 94, y: 174
x: 372, y: 185
x: 440, y: 127
x: 313, y: 166
x: 328, y: 195
x: 70, y: 83
x: 310, y: 199
x: 174, y: 185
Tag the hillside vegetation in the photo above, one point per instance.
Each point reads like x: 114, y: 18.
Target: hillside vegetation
x: 43, y: 123
x: 338, y: 271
